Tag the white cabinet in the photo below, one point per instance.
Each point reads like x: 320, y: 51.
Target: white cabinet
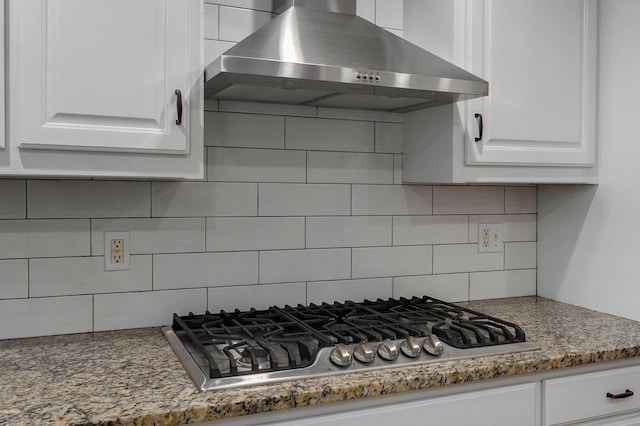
x: 105, y: 88
x: 538, y: 123
x: 513, y: 405
x: 588, y: 399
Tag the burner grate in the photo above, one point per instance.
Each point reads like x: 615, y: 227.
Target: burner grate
x: 255, y: 341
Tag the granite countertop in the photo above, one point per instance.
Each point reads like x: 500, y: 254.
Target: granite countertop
x: 132, y: 377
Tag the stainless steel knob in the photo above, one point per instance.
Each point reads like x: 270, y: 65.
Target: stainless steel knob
x: 433, y: 345
x: 340, y: 356
x: 388, y: 350
x: 411, y: 347
x: 364, y: 353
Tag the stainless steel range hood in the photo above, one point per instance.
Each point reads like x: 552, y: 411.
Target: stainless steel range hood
x: 318, y: 53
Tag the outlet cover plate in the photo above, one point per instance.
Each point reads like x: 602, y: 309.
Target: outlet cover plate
x: 490, y: 238
x: 109, y: 265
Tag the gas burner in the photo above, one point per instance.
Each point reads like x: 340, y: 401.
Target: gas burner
x: 231, y: 349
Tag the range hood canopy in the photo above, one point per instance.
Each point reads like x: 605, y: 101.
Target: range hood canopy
x: 319, y: 53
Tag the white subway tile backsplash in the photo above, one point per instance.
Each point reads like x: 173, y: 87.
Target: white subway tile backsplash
x: 256, y: 165
x: 243, y: 130
x: 329, y: 134
x: 23, y: 239
x: 391, y: 200
x: 413, y: 230
x: 348, y: 231
x: 276, y: 199
x: 45, y: 316
x: 262, y: 296
x: 447, y: 287
x: 145, y: 309
x: 346, y: 167
x: 520, y: 227
x: 13, y: 199
x: 354, y: 290
x: 197, y: 199
x: 464, y: 258
x: 399, y: 33
x: 267, y: 108
x: 397, y: 169
x: 520, y: 255
x: 359, y: 114
x: 520, y: 199
x: 468, y: 200
x: 255, y: 233
x: 305, y: 265
x: 389, y: 14
x: 236, y: 24
x: 265, y: 5
x: 14, y: 278
x: 173, y: 271
x: 84, y: 199
x: 373, y: 262
x: 213, y: 49
x: 498, y: 284
x: 366, y: 9
x: 86, y: 275
x: 388, y: 137
x: 148, y: 236
x: 210, y: 21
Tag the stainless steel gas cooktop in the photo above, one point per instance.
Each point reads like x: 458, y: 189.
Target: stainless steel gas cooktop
x: 242, y: 348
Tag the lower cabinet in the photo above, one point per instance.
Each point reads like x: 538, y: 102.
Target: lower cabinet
x: 603, y: 398
x: 584, y: 396
x: 510, y: 405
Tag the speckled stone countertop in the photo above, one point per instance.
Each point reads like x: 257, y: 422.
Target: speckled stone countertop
x: 132, y: 377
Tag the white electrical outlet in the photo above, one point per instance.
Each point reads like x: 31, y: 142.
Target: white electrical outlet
x: 490, y: 238
x: 116, y: 251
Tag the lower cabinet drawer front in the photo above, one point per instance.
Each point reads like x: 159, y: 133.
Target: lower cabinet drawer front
x: 512, y: 405
x: 584, y: 396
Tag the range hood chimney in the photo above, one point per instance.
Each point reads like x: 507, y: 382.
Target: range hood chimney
x: 319, y: 53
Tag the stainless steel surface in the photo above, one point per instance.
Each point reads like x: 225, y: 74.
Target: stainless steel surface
x: 433, y: 345
x: 323, y: 367
x: 313, y: 57
x: 338, y: 6
x: 340, y: 355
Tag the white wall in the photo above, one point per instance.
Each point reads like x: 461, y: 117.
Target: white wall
x: 589, y: 236
x: 301, y: 204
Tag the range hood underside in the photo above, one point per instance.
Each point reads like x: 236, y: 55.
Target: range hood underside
x: 333, y: 88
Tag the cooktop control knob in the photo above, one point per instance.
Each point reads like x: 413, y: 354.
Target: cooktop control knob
x: 411, y: 347
x: 388, y: 350
x: 340, y: 356
x: 364, y: 353
x: 433, y: 345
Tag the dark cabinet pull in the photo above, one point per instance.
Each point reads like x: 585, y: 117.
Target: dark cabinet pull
x: 480, y: 126
x: 625, y: 394
x: 179, y: 106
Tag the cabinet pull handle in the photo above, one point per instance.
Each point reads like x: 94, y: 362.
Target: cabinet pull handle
x: 179, y: 106
x: 480, y: 127
x: 625, y: 394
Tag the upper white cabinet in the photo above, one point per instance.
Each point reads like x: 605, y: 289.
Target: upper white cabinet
x: 105, y: 88
x: 538, y: 123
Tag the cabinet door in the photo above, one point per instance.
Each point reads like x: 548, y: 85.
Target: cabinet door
x: 540, y: 60
x: 513, y: 405
x: 97, y: 82
x: 584, y: 396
